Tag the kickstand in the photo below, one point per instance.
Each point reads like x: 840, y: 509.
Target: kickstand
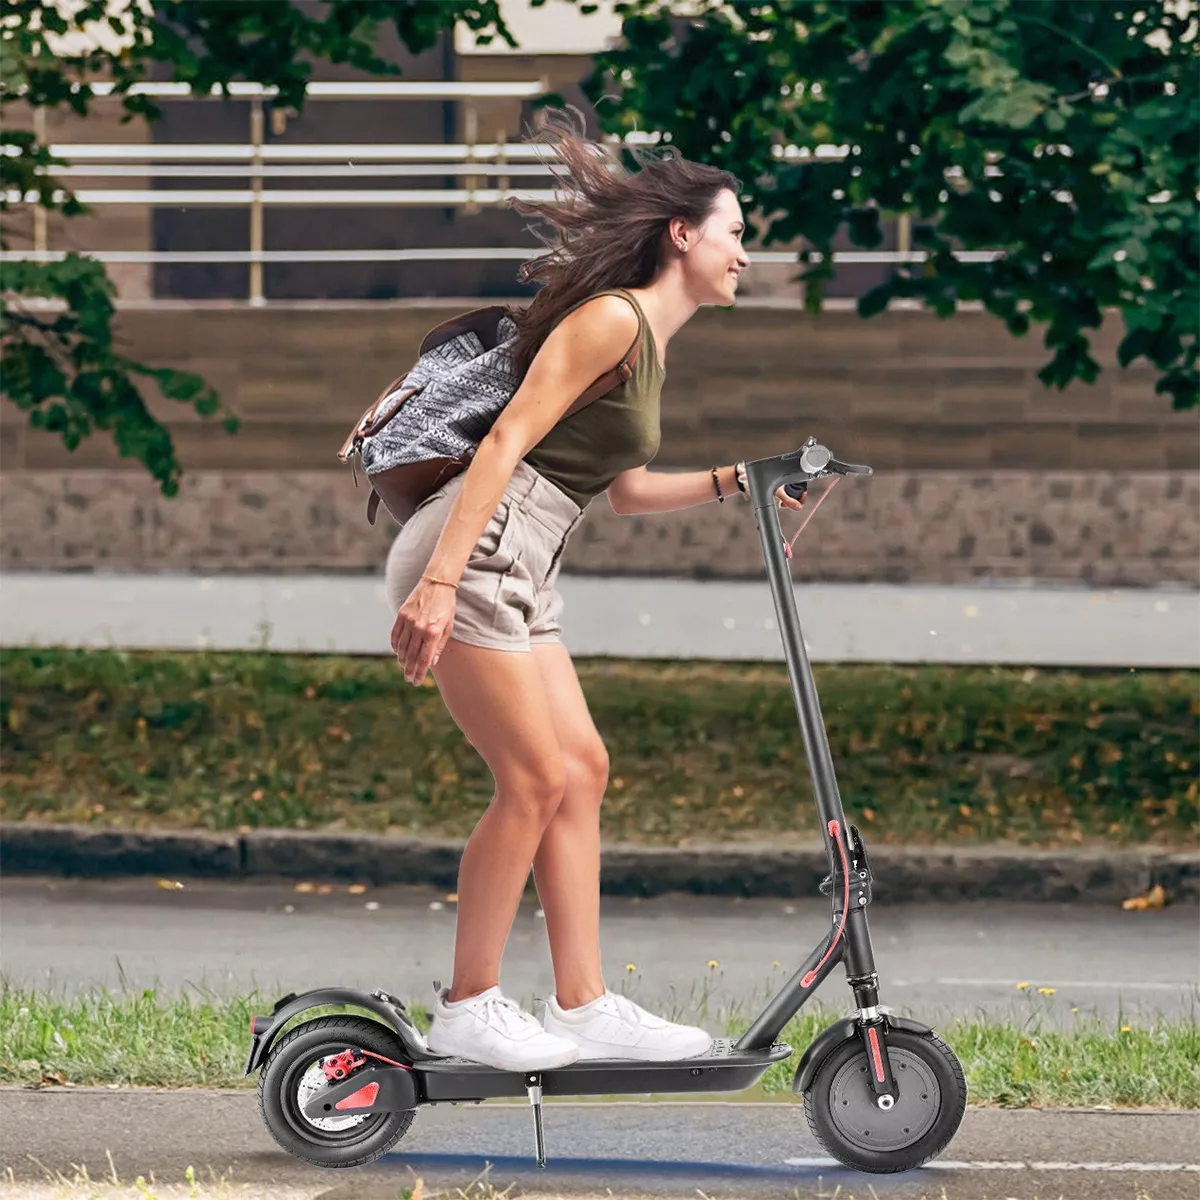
x: 533, y: 1084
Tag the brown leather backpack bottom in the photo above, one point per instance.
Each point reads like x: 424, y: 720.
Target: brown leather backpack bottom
x: 403, y: 488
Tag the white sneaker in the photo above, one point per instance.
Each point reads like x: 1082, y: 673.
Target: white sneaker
x: 495, y: 1031
x: 612, y: 1026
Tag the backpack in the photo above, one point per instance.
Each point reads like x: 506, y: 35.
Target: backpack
x: 426, y: 425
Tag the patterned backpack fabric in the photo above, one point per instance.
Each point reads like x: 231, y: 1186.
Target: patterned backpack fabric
x: 425, y: 426
x: 459, y: 389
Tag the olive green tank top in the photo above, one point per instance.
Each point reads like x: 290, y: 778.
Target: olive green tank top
x: 620, y: 430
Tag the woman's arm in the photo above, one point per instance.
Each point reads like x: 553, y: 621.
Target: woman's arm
x: 642, y: 491
x: 581, y: 348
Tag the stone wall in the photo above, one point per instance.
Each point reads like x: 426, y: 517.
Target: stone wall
x: 982, y: 472
x: 1118, y: 528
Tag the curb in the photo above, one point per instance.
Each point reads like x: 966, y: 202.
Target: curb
x: 903, y: 873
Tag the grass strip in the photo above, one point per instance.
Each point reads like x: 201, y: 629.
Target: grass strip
x: 200, y: 1039
x: 80, y: 1187
x: 699, y: 750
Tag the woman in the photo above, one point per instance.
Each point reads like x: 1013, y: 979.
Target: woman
x: 473, y: 574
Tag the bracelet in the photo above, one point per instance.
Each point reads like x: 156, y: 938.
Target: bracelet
x: 433, y: 579
x: 717, y: 486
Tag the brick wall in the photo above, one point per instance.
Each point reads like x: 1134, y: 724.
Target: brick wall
x: 982, y: 472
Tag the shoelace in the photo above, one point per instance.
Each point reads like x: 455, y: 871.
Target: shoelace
x: 506, y: 1012
x: 629, y: 1011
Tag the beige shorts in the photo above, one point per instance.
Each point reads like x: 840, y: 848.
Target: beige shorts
x: 506, y: 598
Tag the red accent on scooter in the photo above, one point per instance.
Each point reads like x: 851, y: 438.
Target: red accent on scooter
x: 834, y: 831
x: 787, y: 546
x: 363, y: 1098
x: 391, y: 1062
x: 873, y: 1038
x: 339, y: 1066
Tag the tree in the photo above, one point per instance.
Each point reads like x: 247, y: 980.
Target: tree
x: 1060, y: 133
x: 1063, y: 134
x: 60, y: 365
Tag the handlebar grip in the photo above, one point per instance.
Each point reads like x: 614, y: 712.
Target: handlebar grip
x: 796, y: 490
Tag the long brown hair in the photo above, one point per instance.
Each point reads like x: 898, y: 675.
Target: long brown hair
x: 607, y: 231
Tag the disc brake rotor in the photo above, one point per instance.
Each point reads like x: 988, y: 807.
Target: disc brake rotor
x: 312, y: 1082
x: 863, y: 1124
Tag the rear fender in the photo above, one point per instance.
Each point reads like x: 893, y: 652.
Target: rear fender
x: 390, y: 1011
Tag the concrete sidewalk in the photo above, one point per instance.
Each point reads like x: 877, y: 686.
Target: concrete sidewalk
x: 630, y: 617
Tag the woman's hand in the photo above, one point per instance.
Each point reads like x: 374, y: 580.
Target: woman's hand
x: 422, y: 628
x: 786, y: 501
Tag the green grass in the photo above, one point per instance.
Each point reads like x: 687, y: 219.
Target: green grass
x: 699, y: 751
x: 143, y: 1038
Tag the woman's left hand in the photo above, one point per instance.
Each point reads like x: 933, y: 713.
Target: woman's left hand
x: 786, y: 501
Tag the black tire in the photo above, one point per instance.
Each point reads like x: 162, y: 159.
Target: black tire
x: 932, y: 1098
x: 348, y: 1141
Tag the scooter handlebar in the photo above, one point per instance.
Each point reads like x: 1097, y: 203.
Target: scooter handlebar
x: 816, y: 461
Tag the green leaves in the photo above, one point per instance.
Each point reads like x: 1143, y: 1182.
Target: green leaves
x: 58, y: 363
x: 62, y: 369
x: 1063, y: 134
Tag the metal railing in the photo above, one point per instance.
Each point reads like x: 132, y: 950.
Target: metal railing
x: 259, y: 161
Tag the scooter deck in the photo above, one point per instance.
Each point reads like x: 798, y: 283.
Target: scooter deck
x: 722, y: 1069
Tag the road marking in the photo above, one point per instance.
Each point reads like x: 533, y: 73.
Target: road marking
x: 1008, y: 985
x: 986, y: 1165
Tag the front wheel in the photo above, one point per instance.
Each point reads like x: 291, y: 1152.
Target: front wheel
x: 930, y: 1102
x: 292, y: 1076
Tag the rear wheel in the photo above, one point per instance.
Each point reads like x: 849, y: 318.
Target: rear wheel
x: 292, y: 1076
x: 932, y: 1097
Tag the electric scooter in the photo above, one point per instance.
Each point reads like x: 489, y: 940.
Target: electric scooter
x: 882, y: 1093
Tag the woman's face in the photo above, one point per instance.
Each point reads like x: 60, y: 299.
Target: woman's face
x: 714, y: 255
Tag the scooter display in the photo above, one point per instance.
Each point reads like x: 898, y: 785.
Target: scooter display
x: 882, y: 1093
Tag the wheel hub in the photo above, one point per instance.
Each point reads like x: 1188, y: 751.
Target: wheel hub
x: 861, y: 1121
x: 316, y: 1079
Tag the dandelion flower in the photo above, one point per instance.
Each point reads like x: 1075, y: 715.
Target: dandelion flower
x: 1023, y: 986
x: 1046, y: 991
x: 631, y: 966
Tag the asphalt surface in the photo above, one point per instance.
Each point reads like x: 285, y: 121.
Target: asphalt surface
x: 935, y: 961
x: 966, y: 958
x: 626, y: 617
x: 716, y: 1150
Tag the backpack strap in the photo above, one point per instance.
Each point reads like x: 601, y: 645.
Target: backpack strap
x: 619, y: 374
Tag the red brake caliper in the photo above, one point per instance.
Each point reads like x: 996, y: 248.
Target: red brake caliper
x: 339, y: 1066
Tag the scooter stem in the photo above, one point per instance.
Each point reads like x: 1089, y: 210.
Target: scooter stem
x: 765, y: 477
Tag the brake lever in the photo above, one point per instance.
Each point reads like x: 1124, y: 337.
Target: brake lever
x: 842, y: 468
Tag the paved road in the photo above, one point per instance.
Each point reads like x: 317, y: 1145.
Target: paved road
x: 626, y: 617
x: 727, y: 1150
x: 935, y: 961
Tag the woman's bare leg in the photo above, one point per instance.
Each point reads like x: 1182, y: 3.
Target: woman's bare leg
x: 499, y: 701
x: 566, y: 867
